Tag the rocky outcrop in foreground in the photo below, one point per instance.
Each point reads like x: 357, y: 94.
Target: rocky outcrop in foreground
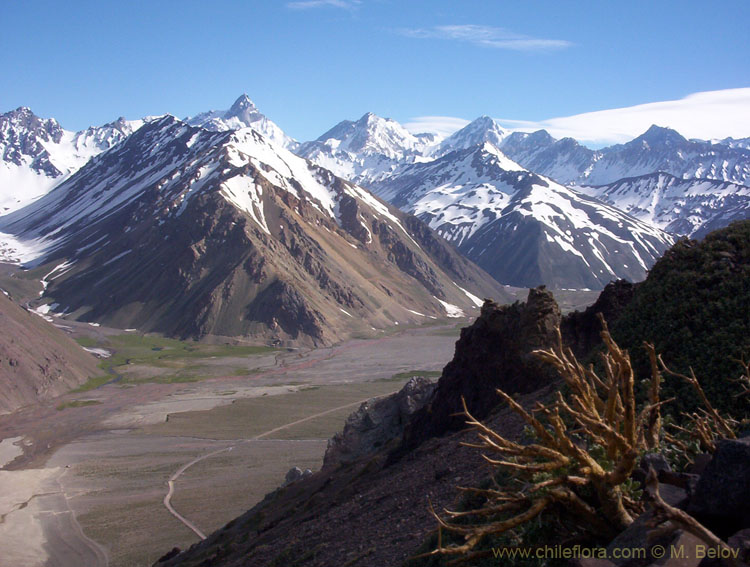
x: 722, y: 496
x: 581, y: 330
x: 494, y: 352
x: 377, y: 422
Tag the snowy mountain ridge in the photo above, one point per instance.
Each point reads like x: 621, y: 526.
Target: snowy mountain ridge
x: 686, y: 207
x: 481, y: 130
x: 37, y: 153
x: 524, y: 229
x: 478, y: 185
x: 657, y: 149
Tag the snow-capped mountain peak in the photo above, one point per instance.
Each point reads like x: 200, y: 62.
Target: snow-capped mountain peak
x: 242, y: 114
x: 243, y: 106
x: 367, y: 150
x: 482, y: 129
x: 23, y: 136
x: 658, y: 136
x: 373, y: 135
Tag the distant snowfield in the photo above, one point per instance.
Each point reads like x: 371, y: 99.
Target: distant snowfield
x: 100, y: 352
x: 21, y: 185
x: 478, y: 302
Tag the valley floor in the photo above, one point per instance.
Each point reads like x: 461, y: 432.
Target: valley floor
x: 90, y: 486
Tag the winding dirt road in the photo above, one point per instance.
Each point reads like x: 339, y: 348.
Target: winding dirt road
x: 186, y: 466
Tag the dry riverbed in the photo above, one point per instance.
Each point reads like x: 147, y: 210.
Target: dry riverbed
x: 85, y: 477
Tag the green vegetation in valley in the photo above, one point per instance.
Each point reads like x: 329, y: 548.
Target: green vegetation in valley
x: 93, y: 383
x: 77, y: 404
x: 183, y: 357
x: 454, y: 331
x: 248, y: 417
x: 87, y: 342
x: 409, y: 374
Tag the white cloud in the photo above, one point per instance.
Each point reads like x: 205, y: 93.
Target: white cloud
x: 486, y: 36
x: 307, y: 4
x: 705, y: 115
x: 443, y: 125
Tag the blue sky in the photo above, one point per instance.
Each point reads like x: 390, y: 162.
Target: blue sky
x: 311, y: 63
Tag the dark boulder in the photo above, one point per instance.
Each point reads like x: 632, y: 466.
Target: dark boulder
x: 741, y: 542
x: 294, y: 474
x: 722, y: 497
x: 642, y: 544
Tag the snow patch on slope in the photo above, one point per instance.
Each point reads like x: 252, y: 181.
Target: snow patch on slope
x: 475, y: 300
x: 246, y: 195
x: 452, y: 311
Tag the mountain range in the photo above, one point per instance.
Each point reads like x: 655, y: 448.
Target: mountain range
x: 179, y: 225
x: 193, y: 232
x: 656, y: 150
x: 523, y: 228
x: 463, y: 182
